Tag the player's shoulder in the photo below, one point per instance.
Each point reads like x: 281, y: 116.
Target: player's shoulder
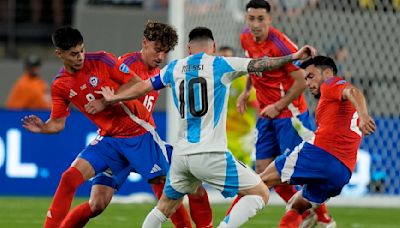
x: 245, y: 36
x: 336, y: 80
x: 101, y: 57
x: 129, y: 58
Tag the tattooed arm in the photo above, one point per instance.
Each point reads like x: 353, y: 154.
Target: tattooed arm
x: 269, y: 63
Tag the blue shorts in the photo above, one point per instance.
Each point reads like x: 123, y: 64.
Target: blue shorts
x: 321, y: 174
x: 145, y: 154
x: 276, y: 136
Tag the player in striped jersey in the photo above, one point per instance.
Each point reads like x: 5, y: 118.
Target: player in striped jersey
x: 200, y: 86
x: 156, y: 44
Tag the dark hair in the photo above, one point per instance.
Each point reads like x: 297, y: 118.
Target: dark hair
x: 32, y: 60
x: 227, y: 48
x: 259, y: 4
x: 66, y: 38
x: 164, y: 33
x: 322, y: 62
x: 200, y: 33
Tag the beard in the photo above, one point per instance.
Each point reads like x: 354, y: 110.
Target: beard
x: 317, y: 96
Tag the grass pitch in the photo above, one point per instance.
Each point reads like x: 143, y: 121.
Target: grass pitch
x: 21, y: 212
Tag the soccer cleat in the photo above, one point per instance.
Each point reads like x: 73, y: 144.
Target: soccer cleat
x: 326, y: 222
x: 309, y: 219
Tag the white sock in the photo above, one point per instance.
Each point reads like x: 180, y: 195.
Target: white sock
x: 154, y: 219
x: 245, y: 208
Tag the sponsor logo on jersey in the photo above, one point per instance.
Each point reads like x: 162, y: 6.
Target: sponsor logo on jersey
x: 72, y: 93
x: 94, y: 81
x: 124, y: 68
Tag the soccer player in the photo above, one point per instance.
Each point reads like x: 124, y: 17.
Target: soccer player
x: 156, y: 44
x: 200, y: 86
x: 240, y: 126
x: 323, y: 165
x: 279, y: 94
x: 126, y: 129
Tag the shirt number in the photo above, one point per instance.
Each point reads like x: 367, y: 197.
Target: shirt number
x: 148, y: 102
x: 192, y: 102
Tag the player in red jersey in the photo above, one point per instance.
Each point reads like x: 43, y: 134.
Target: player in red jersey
x: 323, y: 165
x: 126, y: 129
x: 279, y: 94
x: 145, y: 64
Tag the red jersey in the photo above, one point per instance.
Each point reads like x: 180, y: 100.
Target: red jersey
x: 134, y: 62
x: 337, y: 123
x: 125, y: 119
x: 273, y: 85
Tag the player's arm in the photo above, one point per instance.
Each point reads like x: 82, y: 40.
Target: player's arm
x: 129, y: 91
x: 241, y: 103
x: 271, y: 63
x: 34, y: 124
x: 298, y: 86
x: 356, y: 97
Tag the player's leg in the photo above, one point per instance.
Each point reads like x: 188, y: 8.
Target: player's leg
x: 153, y: 166
x: 80, y: 171
x: 200, y: 208
x: 160, y: 214
x: 103, y: 187
x: 90, y: 161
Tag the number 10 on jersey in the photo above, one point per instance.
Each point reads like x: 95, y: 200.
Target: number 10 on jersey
x: 195, y: 86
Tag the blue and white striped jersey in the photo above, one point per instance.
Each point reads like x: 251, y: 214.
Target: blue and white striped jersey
x: 200, y: 86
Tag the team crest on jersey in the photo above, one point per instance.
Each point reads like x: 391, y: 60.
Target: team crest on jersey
x: 94, y: 81
x: 124, y: 68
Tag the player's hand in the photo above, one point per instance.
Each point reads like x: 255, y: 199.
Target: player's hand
x: 108, y: 93
x: 32, y: 123
x: 367, y: 125
x: 241, y: 103
x: 305, y: 52
x: 95, y: 106
x: 270, y: 111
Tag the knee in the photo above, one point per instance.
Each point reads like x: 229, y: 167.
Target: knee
x: 98, y: 204
x: 69, y: 178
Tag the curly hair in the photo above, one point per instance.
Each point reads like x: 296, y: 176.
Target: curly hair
x: 164, y: 33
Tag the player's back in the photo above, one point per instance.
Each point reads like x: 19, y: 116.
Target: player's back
x: 200, y: 86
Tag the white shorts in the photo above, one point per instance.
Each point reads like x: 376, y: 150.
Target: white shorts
x: 218, y: 169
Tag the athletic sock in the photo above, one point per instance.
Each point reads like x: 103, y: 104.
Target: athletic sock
x: 180, y: 218
x: 322, y: 214
x: 245, y: 208
x: 233, y: 204
x: 154, y: 219
x: 200, y: 210
x: 69, y: 183
x: 285, y: 191
x: 291, y: 219
x: 78, y: 217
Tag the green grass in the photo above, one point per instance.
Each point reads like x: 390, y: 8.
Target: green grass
x: 16, y: 212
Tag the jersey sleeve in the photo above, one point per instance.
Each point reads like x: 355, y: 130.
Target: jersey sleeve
x: 237, y: 67
x: 60, y: 106
x: 166, y: 73
x: 334, y: 90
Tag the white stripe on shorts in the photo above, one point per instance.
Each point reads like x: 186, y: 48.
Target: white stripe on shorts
x: 290, y: 162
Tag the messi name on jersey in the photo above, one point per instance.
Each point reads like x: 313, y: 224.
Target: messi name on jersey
x: 187, y: 68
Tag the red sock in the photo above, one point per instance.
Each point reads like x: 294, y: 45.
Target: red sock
x: 285, y: 191
x: 322, y: 214
x: 291, y: 219
x: 200, y: 209
x: 181, y: 217
x: 78, y: 217
x: 233, y: 204
x: 69, y: 183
